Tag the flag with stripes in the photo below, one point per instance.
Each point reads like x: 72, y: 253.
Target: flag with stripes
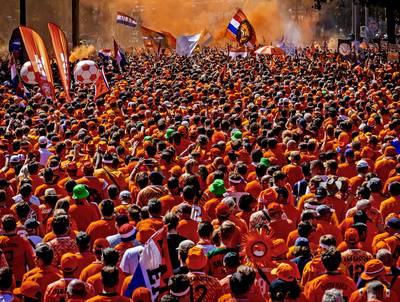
x: 240, y: 30
x: 126, y: 20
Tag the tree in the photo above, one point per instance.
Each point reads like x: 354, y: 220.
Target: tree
x: 392, y: 8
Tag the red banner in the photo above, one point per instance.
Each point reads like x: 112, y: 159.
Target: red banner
x: 39, y: 58
x: 60, y: 46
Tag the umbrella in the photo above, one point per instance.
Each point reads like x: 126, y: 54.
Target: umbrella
x: 270, y: 50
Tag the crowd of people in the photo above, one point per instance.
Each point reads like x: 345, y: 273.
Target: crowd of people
x: 276, y: 178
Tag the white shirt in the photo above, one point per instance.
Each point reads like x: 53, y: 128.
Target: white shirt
x: 44, y: 156
x: 130, y: 259
x: 33, y: 199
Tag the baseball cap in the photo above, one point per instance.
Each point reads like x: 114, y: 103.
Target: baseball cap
x: 274, y: 207
x: 100, y: 243
x: 126, y: 230
x: 176, y: 171
x: 141, y: 294
x: 284, y: 272
x: 29, y: 289
x: 222, y: 210
x: 125, y: 195
x: 362, y: 164
x: 279, y: 247
x: 362, y: 204
x: 323, y: 209
x: 351, y: 236
x: 349, y: 153
x: 185, y: 245
x: 17, y: 158
x: 196, y: 258
x: 301, y: 241
x: 394, y: 223
x: 69, y: 262
x: 372, y: 269
x: 43, y: 140
x: 144, y: 234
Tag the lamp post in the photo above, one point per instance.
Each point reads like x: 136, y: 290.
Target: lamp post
x: 22, y: 12
x: 75, y: 22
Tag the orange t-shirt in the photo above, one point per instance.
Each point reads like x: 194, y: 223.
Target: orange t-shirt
x: 83, y: 214
x: 43, y: 276
x: 18, y: 253
x: 84, y: 259
x: 91, y: 270
x: 101, y: 229
x: 316, y: 288
x: 205, y: 287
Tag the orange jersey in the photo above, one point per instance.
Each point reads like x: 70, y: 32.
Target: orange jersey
x: 354, y: 260
x: 83, y: 214
x: 57, y: 291
x: 101, y: 229
x: 316, y: 288
x: 204, y: 287
x: 90, y: 270
x: 62, y: 245
x: 43, y: 276
x: 18, y: 253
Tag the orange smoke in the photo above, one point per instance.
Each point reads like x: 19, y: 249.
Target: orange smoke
x: 270, y: 18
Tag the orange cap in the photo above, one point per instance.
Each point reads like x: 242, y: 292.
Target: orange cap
x: 176, y: 171
x: 144, y: 234
x: 279, y: 247
x: 351, y: 236
x: 372, y: 269
x: 69, y: 262
x: 100, y: 243
x: 284, y: 271
x: 29, y: 289
x: 196, y: 259
x: 141, y: 294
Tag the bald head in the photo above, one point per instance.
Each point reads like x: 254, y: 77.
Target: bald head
x: 76, y: 289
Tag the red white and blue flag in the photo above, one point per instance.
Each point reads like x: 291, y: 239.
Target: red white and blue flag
x: 101, y: 86
x: 154, y: 266
x: 120, y: 56
x: 240, y: 30
x: 126, y: 20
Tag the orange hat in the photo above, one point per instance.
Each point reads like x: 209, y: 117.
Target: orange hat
x: 390, y: 151
x: 196, y: 259
x: 29, y: 289
x: 103, y: 146
x: 69, y: 262
x: 90, y: 146
x: 274, y: 207
x: 72, y: 166
x: 279, y: 247
x: 144, y: 234
x: 100, y: 243
x: 284, y: 271
x: 372, y: 269
x: 222, y: 209
x: 351, y: 236
x: 176, y: 171
x: 141, y: 294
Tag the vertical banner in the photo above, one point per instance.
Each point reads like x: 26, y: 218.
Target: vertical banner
x: 39, y: 58
x: 60, y: 46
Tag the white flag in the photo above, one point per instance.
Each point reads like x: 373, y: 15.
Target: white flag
x: 185, y: 45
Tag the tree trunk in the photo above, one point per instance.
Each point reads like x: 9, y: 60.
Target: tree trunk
x: 22, y: 12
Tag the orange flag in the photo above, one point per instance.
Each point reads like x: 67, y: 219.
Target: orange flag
x: 101, y: 86
x: 39, y: 58
x: 60, y: 46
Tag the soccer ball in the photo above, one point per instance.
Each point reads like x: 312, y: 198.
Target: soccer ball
x: 28, y: 74
x: 86, y: 72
